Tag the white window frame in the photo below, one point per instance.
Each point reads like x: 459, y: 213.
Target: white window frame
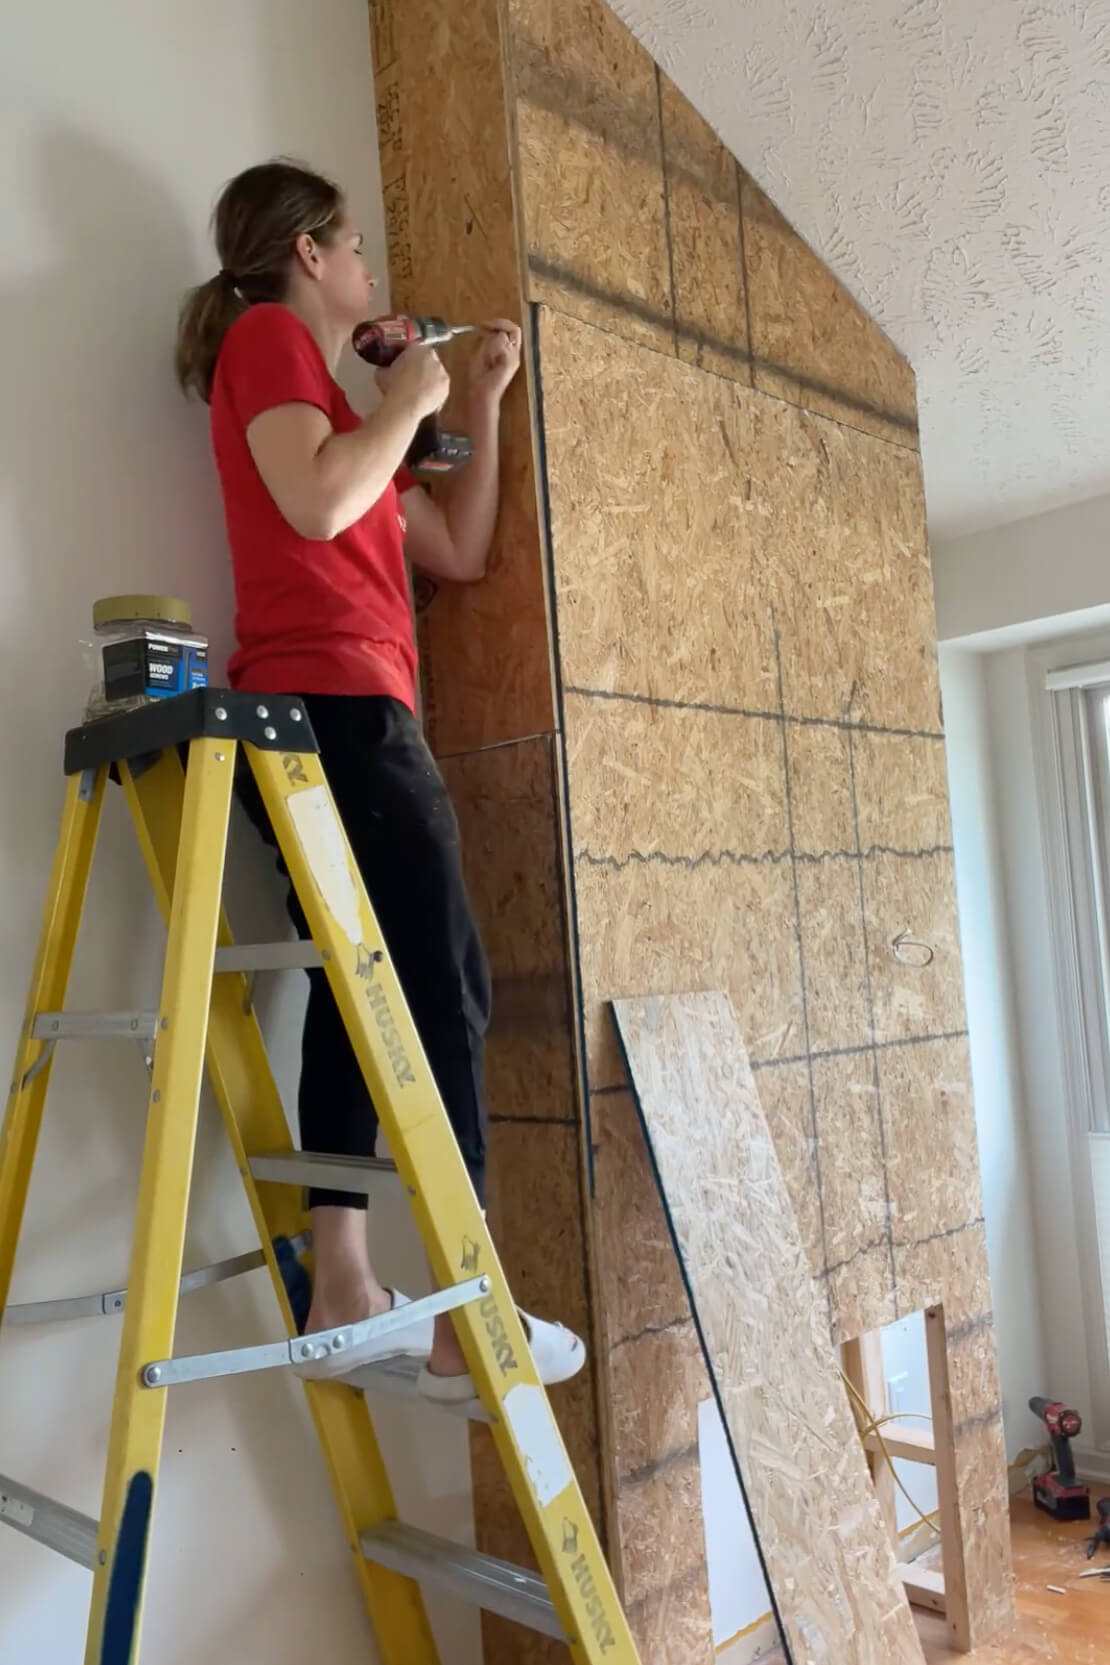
x: 1058, y: 674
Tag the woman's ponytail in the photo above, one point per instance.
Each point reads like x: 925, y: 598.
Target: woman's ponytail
x: 258, y: 219
x: 207, y: 313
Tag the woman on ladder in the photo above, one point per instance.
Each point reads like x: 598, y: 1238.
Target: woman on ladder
x: 322, y: 516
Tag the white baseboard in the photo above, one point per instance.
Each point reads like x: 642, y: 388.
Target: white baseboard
x: 1093, y: 1465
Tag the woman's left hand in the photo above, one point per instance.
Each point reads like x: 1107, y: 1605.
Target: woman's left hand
x: 496, y: 360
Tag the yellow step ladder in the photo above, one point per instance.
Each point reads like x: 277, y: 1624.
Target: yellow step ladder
x: 204, y: 1015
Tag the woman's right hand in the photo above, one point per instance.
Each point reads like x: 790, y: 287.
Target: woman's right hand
x: 418, y: 378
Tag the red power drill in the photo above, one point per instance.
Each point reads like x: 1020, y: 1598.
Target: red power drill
x: 382, y: 340
x: 1060, y: 1493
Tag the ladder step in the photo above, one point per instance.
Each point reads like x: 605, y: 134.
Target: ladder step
x: 112, y: 1301
x: 297, y: 955
x: 498, y: 1586
x: 399, y: 1377
x: 53, y: 1524
x: 329, y: 1173
x: 95, y: 1026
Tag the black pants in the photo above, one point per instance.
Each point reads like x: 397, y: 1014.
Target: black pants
x: 398, y: 817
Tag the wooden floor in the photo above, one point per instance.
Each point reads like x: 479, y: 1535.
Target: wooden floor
x: 1050, y: 1629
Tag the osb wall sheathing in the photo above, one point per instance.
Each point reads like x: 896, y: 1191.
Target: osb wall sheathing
x: 755, y: 795
x: 489, y: 708
x: 757, y: 802
x: 445, y: 162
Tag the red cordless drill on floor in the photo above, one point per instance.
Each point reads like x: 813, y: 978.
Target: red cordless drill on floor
x: 382, y: 340
x: 1060, y: 1493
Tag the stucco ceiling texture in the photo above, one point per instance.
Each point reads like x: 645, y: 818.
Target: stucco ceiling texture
x: 950, y: 160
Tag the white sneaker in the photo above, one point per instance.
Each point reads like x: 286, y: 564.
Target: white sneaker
x: 557, y: 1353
x: 412, y: 1342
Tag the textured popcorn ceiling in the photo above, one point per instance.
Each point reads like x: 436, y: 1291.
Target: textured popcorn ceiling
x: 950, y: 159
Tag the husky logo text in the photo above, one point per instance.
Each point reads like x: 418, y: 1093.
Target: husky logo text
x: 365, y: 961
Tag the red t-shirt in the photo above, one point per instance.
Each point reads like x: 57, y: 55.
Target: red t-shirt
x: 311, y: 617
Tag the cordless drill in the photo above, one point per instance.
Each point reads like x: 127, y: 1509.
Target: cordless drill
x: 382, y: 340
x: 1060, y: 1493
x: 1101, y: 1534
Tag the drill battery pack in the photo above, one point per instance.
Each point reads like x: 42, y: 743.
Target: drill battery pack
x: 1061, y: 1501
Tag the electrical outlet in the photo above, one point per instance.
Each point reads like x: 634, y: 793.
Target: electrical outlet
x: 896, y: 1390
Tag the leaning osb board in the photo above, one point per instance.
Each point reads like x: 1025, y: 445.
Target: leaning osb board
x: 506, y: 801
x: 443, y: 141
x: 824, y: 1544
x: 811, y: 342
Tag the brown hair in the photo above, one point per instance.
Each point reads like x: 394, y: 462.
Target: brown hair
x: 256, y: 223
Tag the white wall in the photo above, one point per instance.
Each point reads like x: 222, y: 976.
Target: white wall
x: 1030, y: 578
x: 118, y: 124
x: 1040, y: 580
x: 997, y: 1074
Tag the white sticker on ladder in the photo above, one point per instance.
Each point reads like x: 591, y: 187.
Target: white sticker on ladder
x: 528, y: 1414
x: 325, y: 849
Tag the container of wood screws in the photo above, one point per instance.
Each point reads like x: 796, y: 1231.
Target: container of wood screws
x: 143, y: 648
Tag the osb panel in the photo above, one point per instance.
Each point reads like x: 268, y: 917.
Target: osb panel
x: 652, y: 1429
x: 693, y: 930
x: 661, y: 1523
x: 653, y: 1376
x: 668, y: 1621
x: 590, y: 167
x: 860, y: 1292
x: 914, y: 945
x: 823, y: 1539
x: 453, y: 251
x: 788, y: 1105
x: 709, y: 517
x: 853, y: 1188
x: 833, y: 954
x: 933, y: 1157
x: 820, y: 789
x: 707, y: 257
x: 902, y: 790
x: 812, y: 343
x: 659, y: 531
x: 851, y: 577
x: 648, y: 785
x: 505, y: 799
x: 641, y: 1285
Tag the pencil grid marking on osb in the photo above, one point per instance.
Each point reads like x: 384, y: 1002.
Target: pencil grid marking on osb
x: 763, y: 1333
x: 446, y: 180
x: 757, y: 801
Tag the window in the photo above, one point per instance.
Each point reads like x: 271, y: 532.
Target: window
x: 1075, y: 788
x: 1082, y: 713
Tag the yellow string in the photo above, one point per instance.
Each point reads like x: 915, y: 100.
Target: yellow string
x: 871, y: 1424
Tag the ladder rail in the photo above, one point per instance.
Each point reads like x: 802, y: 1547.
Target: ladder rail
x: 138, y: 1416
x: 69, y: 879
x: 254, y: 1119
x: 325, y: 875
